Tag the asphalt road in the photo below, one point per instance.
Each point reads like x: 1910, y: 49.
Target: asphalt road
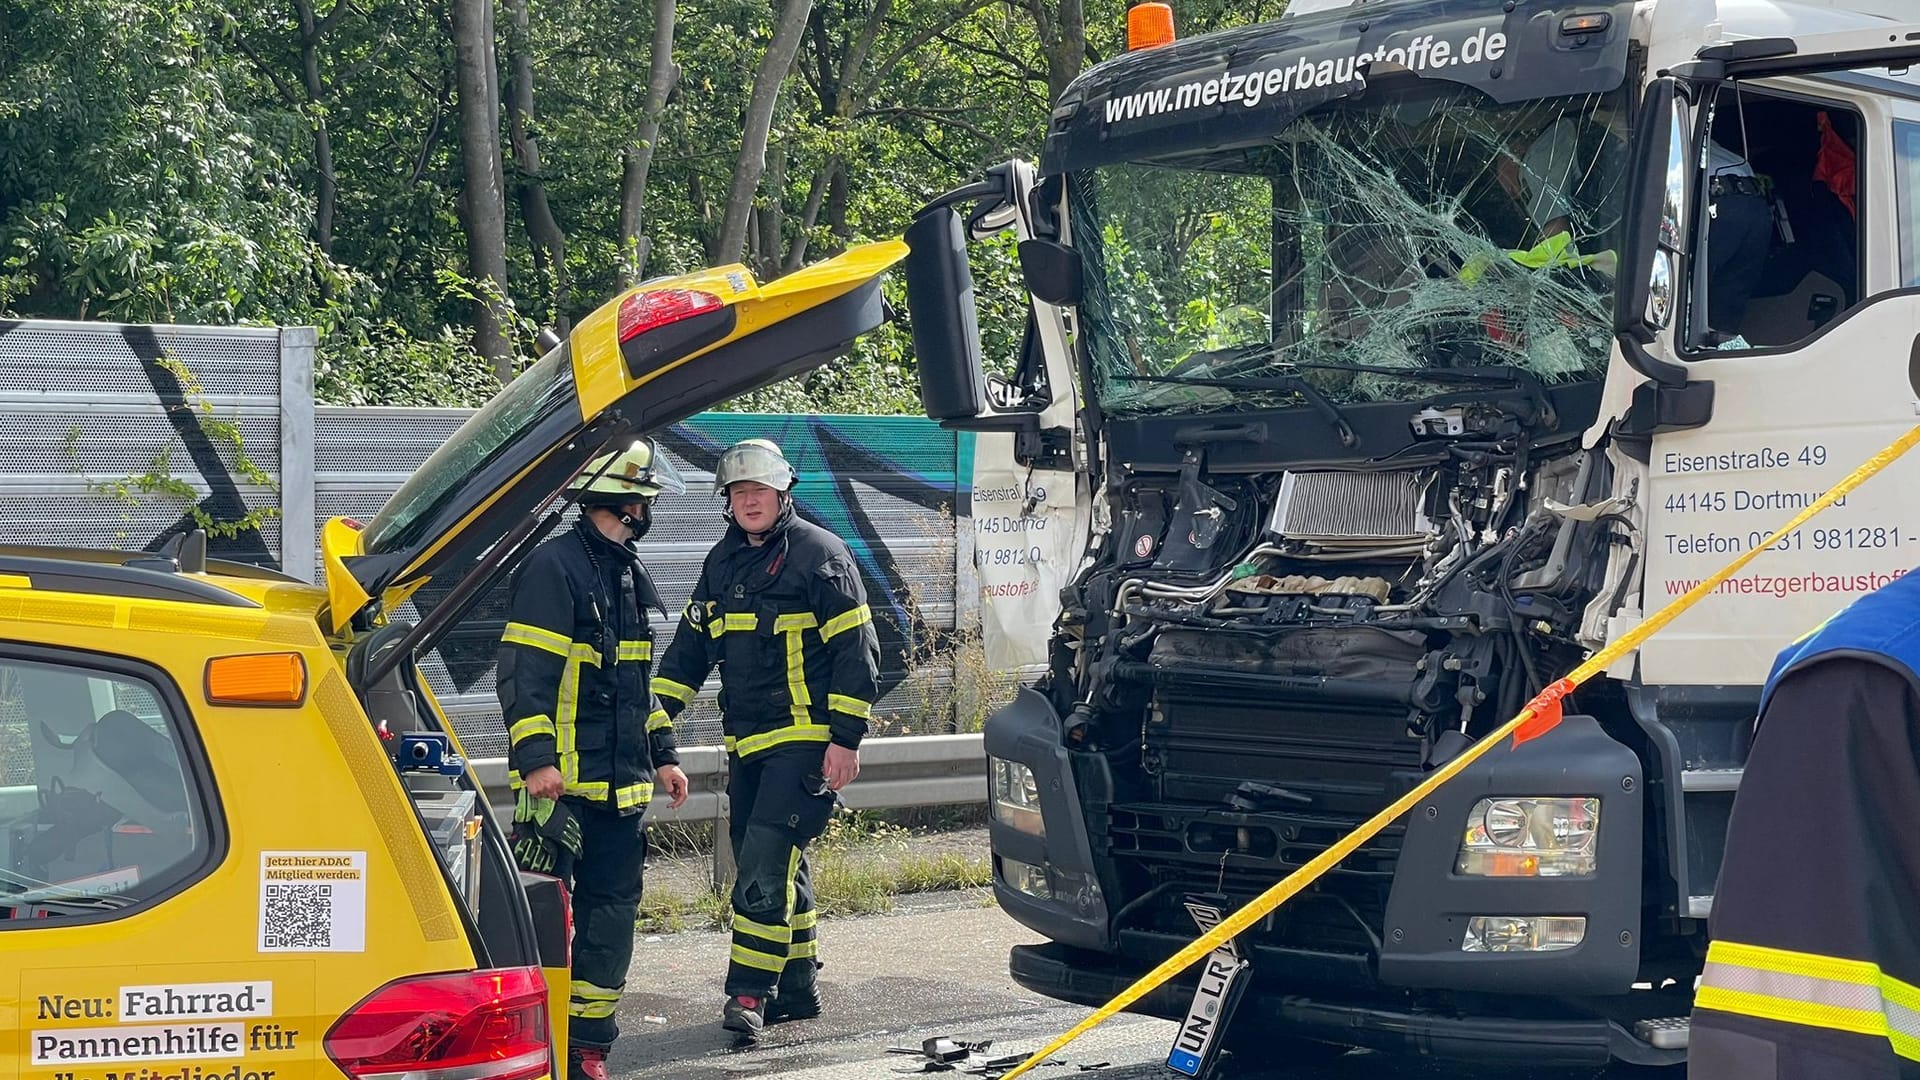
x: 935, y: 968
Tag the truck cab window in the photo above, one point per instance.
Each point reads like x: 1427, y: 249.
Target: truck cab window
x: 1906, y: 144
x: 1783, y: 236
x: 97, y: 812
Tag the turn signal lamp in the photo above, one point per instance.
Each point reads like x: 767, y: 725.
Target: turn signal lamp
x: 645, y: 311
x: 1149, y: 26
x: 257, y: 679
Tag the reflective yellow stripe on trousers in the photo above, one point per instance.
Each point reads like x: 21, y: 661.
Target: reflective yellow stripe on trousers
x: 1812, y: 990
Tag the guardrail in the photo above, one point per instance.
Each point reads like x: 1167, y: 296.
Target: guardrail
x: 911, y: 770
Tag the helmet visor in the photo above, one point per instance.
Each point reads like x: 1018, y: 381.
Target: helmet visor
x: 751, y: 462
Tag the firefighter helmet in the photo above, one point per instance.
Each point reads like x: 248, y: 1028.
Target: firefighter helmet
x: 757, y: 460
x: 636, y: 474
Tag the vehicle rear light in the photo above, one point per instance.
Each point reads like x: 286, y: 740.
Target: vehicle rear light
x: 646, y: 311
x: 465, y: 1025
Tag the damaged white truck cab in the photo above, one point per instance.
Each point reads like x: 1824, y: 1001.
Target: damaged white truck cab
x: 1406, y: 353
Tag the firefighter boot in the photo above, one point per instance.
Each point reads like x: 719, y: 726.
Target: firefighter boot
x: 586, y: 1063
x: 799, y: 995
x: 744, y: 1014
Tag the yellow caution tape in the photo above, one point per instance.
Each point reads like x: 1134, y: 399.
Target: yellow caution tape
x: 1524, y: 725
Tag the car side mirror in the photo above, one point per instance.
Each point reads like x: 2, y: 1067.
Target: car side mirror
x: 1051, y: 271
x: 940, y: 304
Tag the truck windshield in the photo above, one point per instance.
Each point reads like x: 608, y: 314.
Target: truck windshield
x: 1433, y: 228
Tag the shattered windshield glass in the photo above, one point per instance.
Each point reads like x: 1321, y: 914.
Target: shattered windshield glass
x: 1432, y: 229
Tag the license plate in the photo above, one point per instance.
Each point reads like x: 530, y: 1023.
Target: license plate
x: 1213, y: 999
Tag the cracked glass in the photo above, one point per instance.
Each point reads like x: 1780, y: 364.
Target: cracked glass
x: 1430, y: 229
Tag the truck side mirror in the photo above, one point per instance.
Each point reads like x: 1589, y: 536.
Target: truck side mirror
x: 1644, y: 304
x: 1654, y: 241
x: 1051, y: 271
x: 940, y: 304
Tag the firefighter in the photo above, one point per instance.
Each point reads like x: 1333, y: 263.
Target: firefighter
x: 780, y: 609
x: 1814, y: 968
x: 587, y: 743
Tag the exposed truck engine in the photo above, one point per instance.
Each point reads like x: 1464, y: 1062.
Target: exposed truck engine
x: 1402, y: 355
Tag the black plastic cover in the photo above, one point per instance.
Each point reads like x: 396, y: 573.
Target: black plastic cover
x: 1240, y: 87
x: 1428, y: 909
x: 1028, y: 731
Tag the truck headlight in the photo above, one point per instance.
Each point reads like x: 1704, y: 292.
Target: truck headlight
x: 1531, y: 837
x: 1016, y: 796
x: 1523, y: 933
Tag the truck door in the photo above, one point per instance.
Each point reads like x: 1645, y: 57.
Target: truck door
x: 1030, y: 503
x: 1796, y: 302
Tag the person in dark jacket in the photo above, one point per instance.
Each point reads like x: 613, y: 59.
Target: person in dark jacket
x: 781, y: 610
x: 587, y: 745
x: 1813, y: 972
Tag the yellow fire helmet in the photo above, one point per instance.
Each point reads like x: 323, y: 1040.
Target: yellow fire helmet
x: 638, y: 473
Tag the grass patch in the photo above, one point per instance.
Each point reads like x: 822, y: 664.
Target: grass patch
x: 666, y: 910
x: 863, y: 861
x: 859, y: 865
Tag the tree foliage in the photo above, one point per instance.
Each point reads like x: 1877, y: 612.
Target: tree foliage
x: 310, y: 162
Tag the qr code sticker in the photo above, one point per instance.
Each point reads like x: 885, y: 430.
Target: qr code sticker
x: 297, y: 916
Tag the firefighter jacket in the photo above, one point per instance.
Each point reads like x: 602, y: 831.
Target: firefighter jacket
x: 1814, y: 966
x: 573, y: 671
x: 787, y: 624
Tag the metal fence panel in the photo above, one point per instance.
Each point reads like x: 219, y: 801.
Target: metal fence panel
x: 131, y: 430
x: 123, y: 436
x: 888, y: 485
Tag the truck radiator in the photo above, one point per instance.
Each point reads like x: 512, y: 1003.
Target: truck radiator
x: 1350, y: 507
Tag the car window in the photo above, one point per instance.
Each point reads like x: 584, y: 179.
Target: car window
x: 98, y: 808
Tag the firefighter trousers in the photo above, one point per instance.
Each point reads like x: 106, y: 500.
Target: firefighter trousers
x: 777, y: 811
x: 604, y: 882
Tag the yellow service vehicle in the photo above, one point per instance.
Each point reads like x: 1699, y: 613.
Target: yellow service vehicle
x: 238, y: 839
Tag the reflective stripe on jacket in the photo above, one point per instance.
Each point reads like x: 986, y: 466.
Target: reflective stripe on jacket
x: 1815, y: 956
x: 573, y: 672
x: 788, y: 625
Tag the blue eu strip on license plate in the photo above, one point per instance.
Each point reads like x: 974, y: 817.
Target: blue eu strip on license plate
x: 1212, y: 1000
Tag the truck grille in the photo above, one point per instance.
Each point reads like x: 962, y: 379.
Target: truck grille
x: 1305, y: 764
x: 1169, y: 845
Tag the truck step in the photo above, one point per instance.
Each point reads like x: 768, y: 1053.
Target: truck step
x: 1710, y: 779
x: 1665, y: 1033
x: 1699, y: 907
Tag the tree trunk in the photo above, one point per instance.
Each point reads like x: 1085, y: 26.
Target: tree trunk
x: 759, y: 120
x: 483, y: 202
x: 549, y: 240
x: 1067, y: 53
x: 810, y: 213
x: 662, y: 73
x: 773, y: 217
x: 838, y: 198
x: 328, y: 193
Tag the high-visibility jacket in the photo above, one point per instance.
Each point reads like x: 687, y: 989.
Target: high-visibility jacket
x: 573, y: 671
x: 787, y: 624
x: 1814, y: 966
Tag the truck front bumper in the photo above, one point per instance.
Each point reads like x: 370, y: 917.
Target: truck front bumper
x: 1092, y: 979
